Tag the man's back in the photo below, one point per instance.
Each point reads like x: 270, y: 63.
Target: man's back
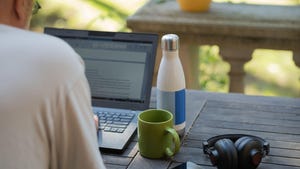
x: 45, y: 119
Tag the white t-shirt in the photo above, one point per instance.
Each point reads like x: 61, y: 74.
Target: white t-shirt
x: 46, y: 119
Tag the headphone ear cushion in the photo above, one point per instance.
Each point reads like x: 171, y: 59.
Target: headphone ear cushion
x: 227, y: 154
x: 245, y: 146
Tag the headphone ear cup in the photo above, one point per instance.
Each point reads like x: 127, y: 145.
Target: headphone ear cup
x: 249, y: 152
x: 227, y: 154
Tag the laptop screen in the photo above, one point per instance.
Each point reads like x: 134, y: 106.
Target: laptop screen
x: 119, y: 66
x: 115, y: 70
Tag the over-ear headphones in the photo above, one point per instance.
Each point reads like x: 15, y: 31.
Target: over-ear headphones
x: 236, y: 151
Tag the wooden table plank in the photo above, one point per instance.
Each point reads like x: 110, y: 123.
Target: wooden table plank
x: 248, y: 126
x: 116, y: 160
x: 259, y: 106
x: 140, y: 162
x: 252, y: 120
x: 196, y: 134
x: 255, y: 114
x: 112, y: 166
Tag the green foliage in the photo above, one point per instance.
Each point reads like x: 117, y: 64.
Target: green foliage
x: 111, y: 11
x: 272, y: 73
x: 83, y: 14
x: 213, y: 70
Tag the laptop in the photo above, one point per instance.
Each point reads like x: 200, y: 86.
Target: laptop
x: 119, y: 68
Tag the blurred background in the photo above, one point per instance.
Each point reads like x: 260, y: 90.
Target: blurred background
x: 269, y: 73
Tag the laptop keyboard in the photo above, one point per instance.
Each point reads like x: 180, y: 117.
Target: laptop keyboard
x: 115, y: 122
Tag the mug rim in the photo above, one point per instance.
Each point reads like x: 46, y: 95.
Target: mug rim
x: 147, y: 122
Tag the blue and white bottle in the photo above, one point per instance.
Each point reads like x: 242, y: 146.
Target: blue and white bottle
x: 171, y: 82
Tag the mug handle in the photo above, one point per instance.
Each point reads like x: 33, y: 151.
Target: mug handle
x: 168, y: 151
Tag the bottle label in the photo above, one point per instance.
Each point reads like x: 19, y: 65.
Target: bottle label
x: 173, y: 102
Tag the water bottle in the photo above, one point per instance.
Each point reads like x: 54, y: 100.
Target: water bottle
x: 171, y: 82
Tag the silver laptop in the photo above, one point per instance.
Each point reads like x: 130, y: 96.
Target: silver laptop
x: 119, y: 69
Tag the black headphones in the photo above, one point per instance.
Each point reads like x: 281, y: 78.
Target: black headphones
x: 236, y: 151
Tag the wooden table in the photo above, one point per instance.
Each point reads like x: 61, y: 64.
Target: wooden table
x: 208, y: 114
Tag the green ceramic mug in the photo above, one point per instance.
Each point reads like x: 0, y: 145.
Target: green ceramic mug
x: 156, y: 136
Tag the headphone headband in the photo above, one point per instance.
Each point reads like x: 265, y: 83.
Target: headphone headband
x: 233, y: 137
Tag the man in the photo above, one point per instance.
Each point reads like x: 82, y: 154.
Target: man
x: 46, y: 120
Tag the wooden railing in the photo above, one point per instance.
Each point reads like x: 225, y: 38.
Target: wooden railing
x: 238, y: 29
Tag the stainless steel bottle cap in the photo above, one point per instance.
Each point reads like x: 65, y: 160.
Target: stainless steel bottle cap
x: 170, y: 42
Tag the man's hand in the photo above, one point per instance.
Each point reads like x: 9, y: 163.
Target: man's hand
x: 96, y: 121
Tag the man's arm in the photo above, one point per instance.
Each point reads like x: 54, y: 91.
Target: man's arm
x: 76, y: 139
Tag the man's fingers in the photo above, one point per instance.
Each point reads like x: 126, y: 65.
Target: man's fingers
x: 96, y: 121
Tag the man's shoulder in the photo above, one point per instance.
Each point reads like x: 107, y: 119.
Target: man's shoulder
x: 48, y: 42
x: 56, y: 59
x: 37, y: 41
x: 57, y: 53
